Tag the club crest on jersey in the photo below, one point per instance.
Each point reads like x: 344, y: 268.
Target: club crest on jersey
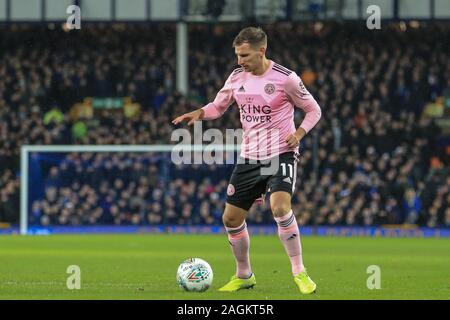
x: 269, y: 88
x: 230, y: 190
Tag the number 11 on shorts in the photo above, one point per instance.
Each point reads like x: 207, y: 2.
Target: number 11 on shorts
x: 291, y: 170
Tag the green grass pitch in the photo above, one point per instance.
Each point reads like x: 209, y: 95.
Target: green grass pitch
x: 143, y: 266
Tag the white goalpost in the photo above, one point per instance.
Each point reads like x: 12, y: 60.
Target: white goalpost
x: 26, y: 150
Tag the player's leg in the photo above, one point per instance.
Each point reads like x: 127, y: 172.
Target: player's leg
x: 280, y: 204
x: 236, y: 227
x: 282, y: 185
x: 242, y: 191
x: 234, y: 222
x: 289, y: 234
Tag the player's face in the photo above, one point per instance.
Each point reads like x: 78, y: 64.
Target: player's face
x: 249, y: 57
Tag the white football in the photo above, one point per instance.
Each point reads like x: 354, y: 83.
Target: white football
x: 194, y: 275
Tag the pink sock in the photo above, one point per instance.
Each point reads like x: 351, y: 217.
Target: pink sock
x: 290, y: 236
x: 240, y: 245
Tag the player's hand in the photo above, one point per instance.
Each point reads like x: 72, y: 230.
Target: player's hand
x: 191, y: 117
x: 293, y: 140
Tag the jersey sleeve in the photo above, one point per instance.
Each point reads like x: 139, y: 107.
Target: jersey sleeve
x: 223, y: 100
x: 301, y: 98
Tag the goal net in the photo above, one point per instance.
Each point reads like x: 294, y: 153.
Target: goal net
x: 122, y: 185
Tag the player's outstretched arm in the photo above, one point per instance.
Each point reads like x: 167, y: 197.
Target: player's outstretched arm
x: 190, y: 117
x: 212, y: 110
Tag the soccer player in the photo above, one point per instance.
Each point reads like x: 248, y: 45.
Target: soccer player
x: 266, y: 93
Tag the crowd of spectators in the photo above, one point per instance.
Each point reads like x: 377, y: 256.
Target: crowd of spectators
x: 119, y: 188
x: 375, y: 149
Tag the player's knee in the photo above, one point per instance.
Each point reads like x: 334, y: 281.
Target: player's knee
x: 231, y: 222
x: 279, y: 210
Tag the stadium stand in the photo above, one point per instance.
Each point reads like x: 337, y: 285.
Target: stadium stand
x: 380, y: 157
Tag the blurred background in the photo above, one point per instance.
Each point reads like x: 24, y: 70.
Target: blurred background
x: 378, y: 157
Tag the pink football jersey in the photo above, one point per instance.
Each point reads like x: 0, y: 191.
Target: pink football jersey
x: 266, y: 105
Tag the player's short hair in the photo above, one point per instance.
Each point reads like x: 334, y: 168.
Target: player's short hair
x: 251, y: 35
